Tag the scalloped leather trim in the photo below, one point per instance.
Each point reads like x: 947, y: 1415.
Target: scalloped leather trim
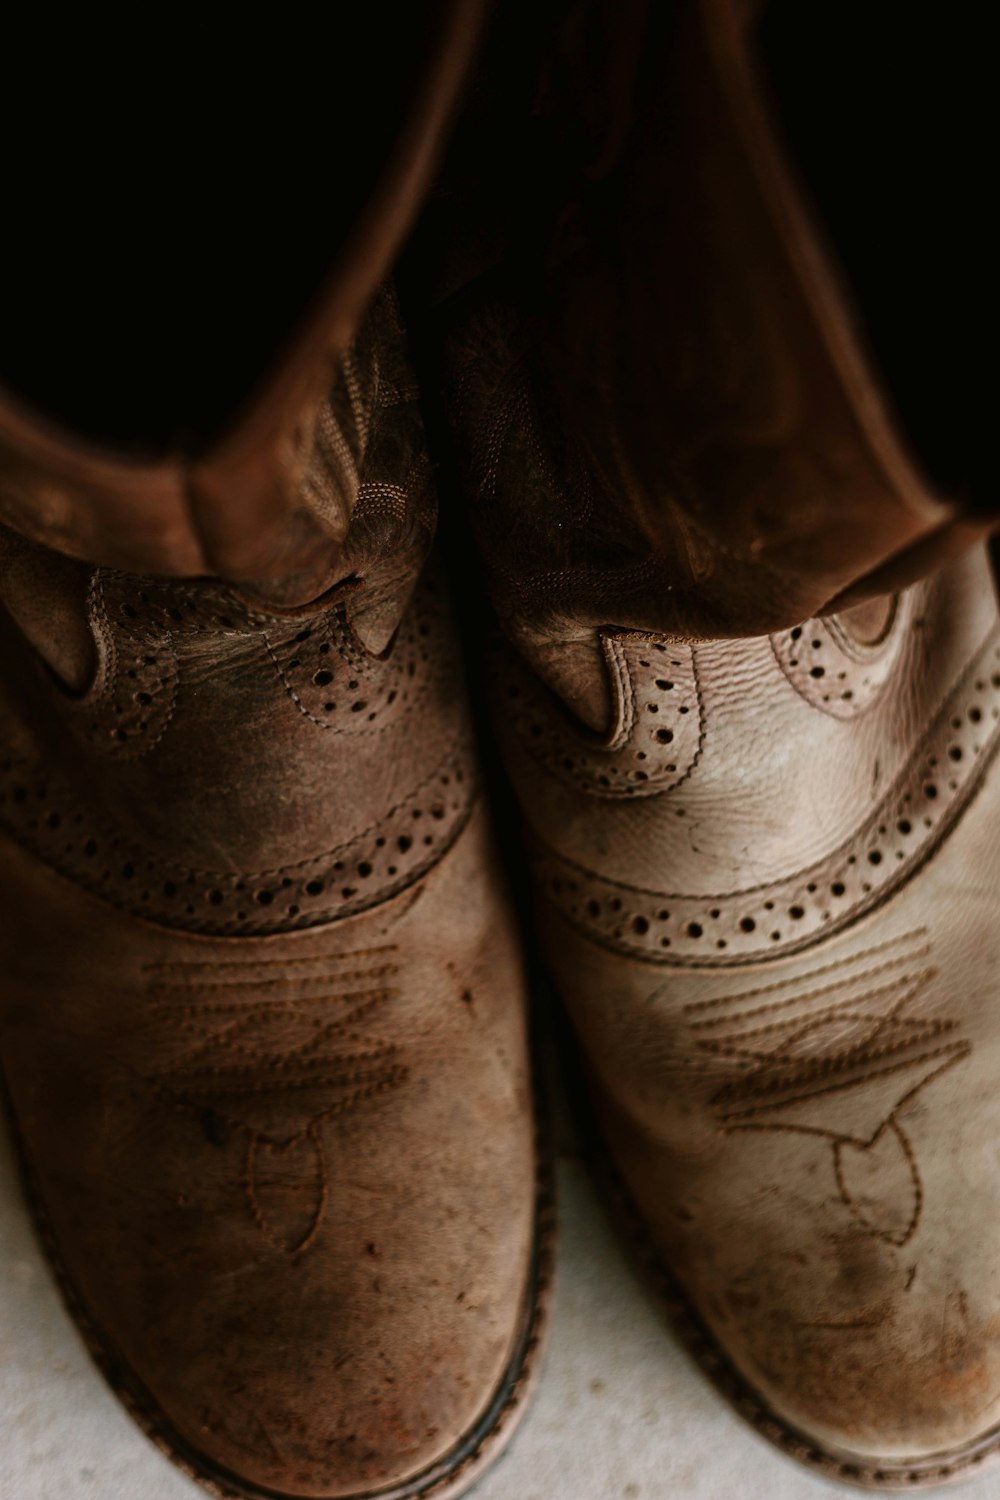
x: 835, y: 673
x: 883, y: 853
x: 41, y: 814
x: 657, y: 736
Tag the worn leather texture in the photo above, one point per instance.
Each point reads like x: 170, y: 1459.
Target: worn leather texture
x: 263, y: 1024
x: 767, y: 898
x: 236, y: 502
x: 754, y: 750
x: 665, y: 411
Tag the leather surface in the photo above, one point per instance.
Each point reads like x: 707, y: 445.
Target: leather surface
x: 238, y: 505
x: 665, y: 410
x: 290, y: 1179
x: 263, y: 1026
x: 183, y: 777
x: 744, y: 803
x: 782, y: 969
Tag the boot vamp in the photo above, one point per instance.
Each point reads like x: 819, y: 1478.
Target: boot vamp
x: 777, y: 938
x: 287, y: 1180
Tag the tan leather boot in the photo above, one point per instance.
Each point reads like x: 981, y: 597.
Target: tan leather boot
x: 768, y: 898
x: 263, y: 1027
x: 766, y: 852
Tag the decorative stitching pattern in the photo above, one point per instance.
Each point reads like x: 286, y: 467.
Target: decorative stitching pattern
x: 373, y: 866
x: 132, y: 701
x: 445, y: 1480
x: 335, y: 686
x: 140, y: 626
x: 737, y: 927
x: 835, y: 673
x: 840, y: 1062
x: 150, y: 635
x: 657, y: 737
x: 276, y: 1068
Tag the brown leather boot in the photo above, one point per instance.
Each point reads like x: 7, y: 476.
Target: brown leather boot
x: 263, y: 1006
x: 766, y: 852
x: 768, y: 898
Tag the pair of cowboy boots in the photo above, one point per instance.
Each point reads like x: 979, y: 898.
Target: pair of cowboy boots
x: 264, y: 1006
